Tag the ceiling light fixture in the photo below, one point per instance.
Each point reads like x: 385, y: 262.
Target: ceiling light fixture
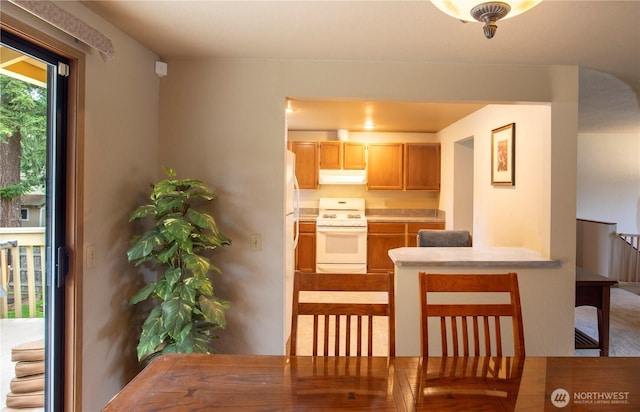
x: 487, y: 12
x: 369, y: 125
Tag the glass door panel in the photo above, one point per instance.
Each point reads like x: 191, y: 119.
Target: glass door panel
x: 32, y: 261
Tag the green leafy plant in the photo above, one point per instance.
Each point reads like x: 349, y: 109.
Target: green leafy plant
x: 186, y: 310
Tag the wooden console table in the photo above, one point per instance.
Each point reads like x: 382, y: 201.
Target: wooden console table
x: 594, y: 290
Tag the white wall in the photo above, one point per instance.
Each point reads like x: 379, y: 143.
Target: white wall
x: 120, y: 160
x: 120, y: 149
x: 516, y: 215
x: 522, y: 215
x: 609, y: 180
x: 595, y: 246
x: 223, y: 120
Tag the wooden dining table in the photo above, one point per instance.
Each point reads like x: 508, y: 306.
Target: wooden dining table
x: 195, y: 382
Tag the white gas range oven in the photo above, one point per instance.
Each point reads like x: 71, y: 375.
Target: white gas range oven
x: 341, y: 236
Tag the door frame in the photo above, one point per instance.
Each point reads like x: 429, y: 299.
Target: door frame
x: 74, y: 181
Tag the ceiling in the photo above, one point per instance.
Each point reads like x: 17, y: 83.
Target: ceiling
x: 602, y: 37
x: 385, y: 116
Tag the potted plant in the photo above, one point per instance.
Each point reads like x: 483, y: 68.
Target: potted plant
x: 186, y: 310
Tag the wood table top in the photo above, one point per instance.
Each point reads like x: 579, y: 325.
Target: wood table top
x: 585, y: 278
x: 192, y: 382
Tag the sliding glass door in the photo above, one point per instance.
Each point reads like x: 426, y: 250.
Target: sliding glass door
x: 33, y: 261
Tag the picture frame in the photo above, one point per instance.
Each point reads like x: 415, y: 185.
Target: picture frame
x: 503, y: 155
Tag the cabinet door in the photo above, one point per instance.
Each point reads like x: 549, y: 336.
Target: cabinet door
x: 353, y: 156
x: 380, y: 238
x: 330, y: 155
x: 306, y: 164
x: 306, y: 249
x: 384, y: 166
x: 412, y: 231
x: 422, y: 166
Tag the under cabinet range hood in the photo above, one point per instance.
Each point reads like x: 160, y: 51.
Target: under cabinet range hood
x: 342, y: 177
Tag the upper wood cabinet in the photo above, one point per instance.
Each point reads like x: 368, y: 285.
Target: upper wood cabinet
x: 306, y: 164
x: 422, y: 166
x: 384, y: 166
x: 330, y: 155
x: 353, y: 156
x: 342, y: 155
x: 390, y: 166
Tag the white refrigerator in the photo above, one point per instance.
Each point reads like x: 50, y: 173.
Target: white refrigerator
x: 292, y: 232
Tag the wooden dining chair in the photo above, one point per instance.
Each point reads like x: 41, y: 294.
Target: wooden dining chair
x: 347, y: 317
x: 443, y: 238
x: 471, y: 324
x: 490, y: 384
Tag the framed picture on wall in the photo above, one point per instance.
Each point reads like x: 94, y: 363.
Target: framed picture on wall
x: 503, y: 155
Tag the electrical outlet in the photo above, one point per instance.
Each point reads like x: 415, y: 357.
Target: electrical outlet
x: 90, y: 256
x: 255, y: 242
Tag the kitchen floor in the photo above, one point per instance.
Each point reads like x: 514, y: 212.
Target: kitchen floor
x: 380, y: 325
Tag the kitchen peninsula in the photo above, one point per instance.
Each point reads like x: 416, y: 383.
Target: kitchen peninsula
x: 547, y: 308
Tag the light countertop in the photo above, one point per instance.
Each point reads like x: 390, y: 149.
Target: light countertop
x: 470, y: 257
x: 403, y: 219
x: 387, y: 215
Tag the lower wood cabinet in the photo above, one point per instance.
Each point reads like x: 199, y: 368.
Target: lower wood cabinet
x: 383, y: 236
x: 380, y: 238
x: 306, y: 249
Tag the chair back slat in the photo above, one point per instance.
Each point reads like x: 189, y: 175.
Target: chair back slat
x: 467, y: 328
x: 478, y: 309
x: 326, y: 308
x: 338, y: 319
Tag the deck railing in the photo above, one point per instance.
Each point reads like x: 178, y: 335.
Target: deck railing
x: 626, y: 261
x: 22, y: 263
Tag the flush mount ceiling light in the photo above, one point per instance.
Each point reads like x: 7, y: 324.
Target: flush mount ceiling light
x: 487, y: 12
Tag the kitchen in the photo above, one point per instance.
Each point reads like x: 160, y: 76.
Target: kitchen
x: 377, y: 205
x: 394, y: 213
x: 396, y: 175
x: 361, y: 192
